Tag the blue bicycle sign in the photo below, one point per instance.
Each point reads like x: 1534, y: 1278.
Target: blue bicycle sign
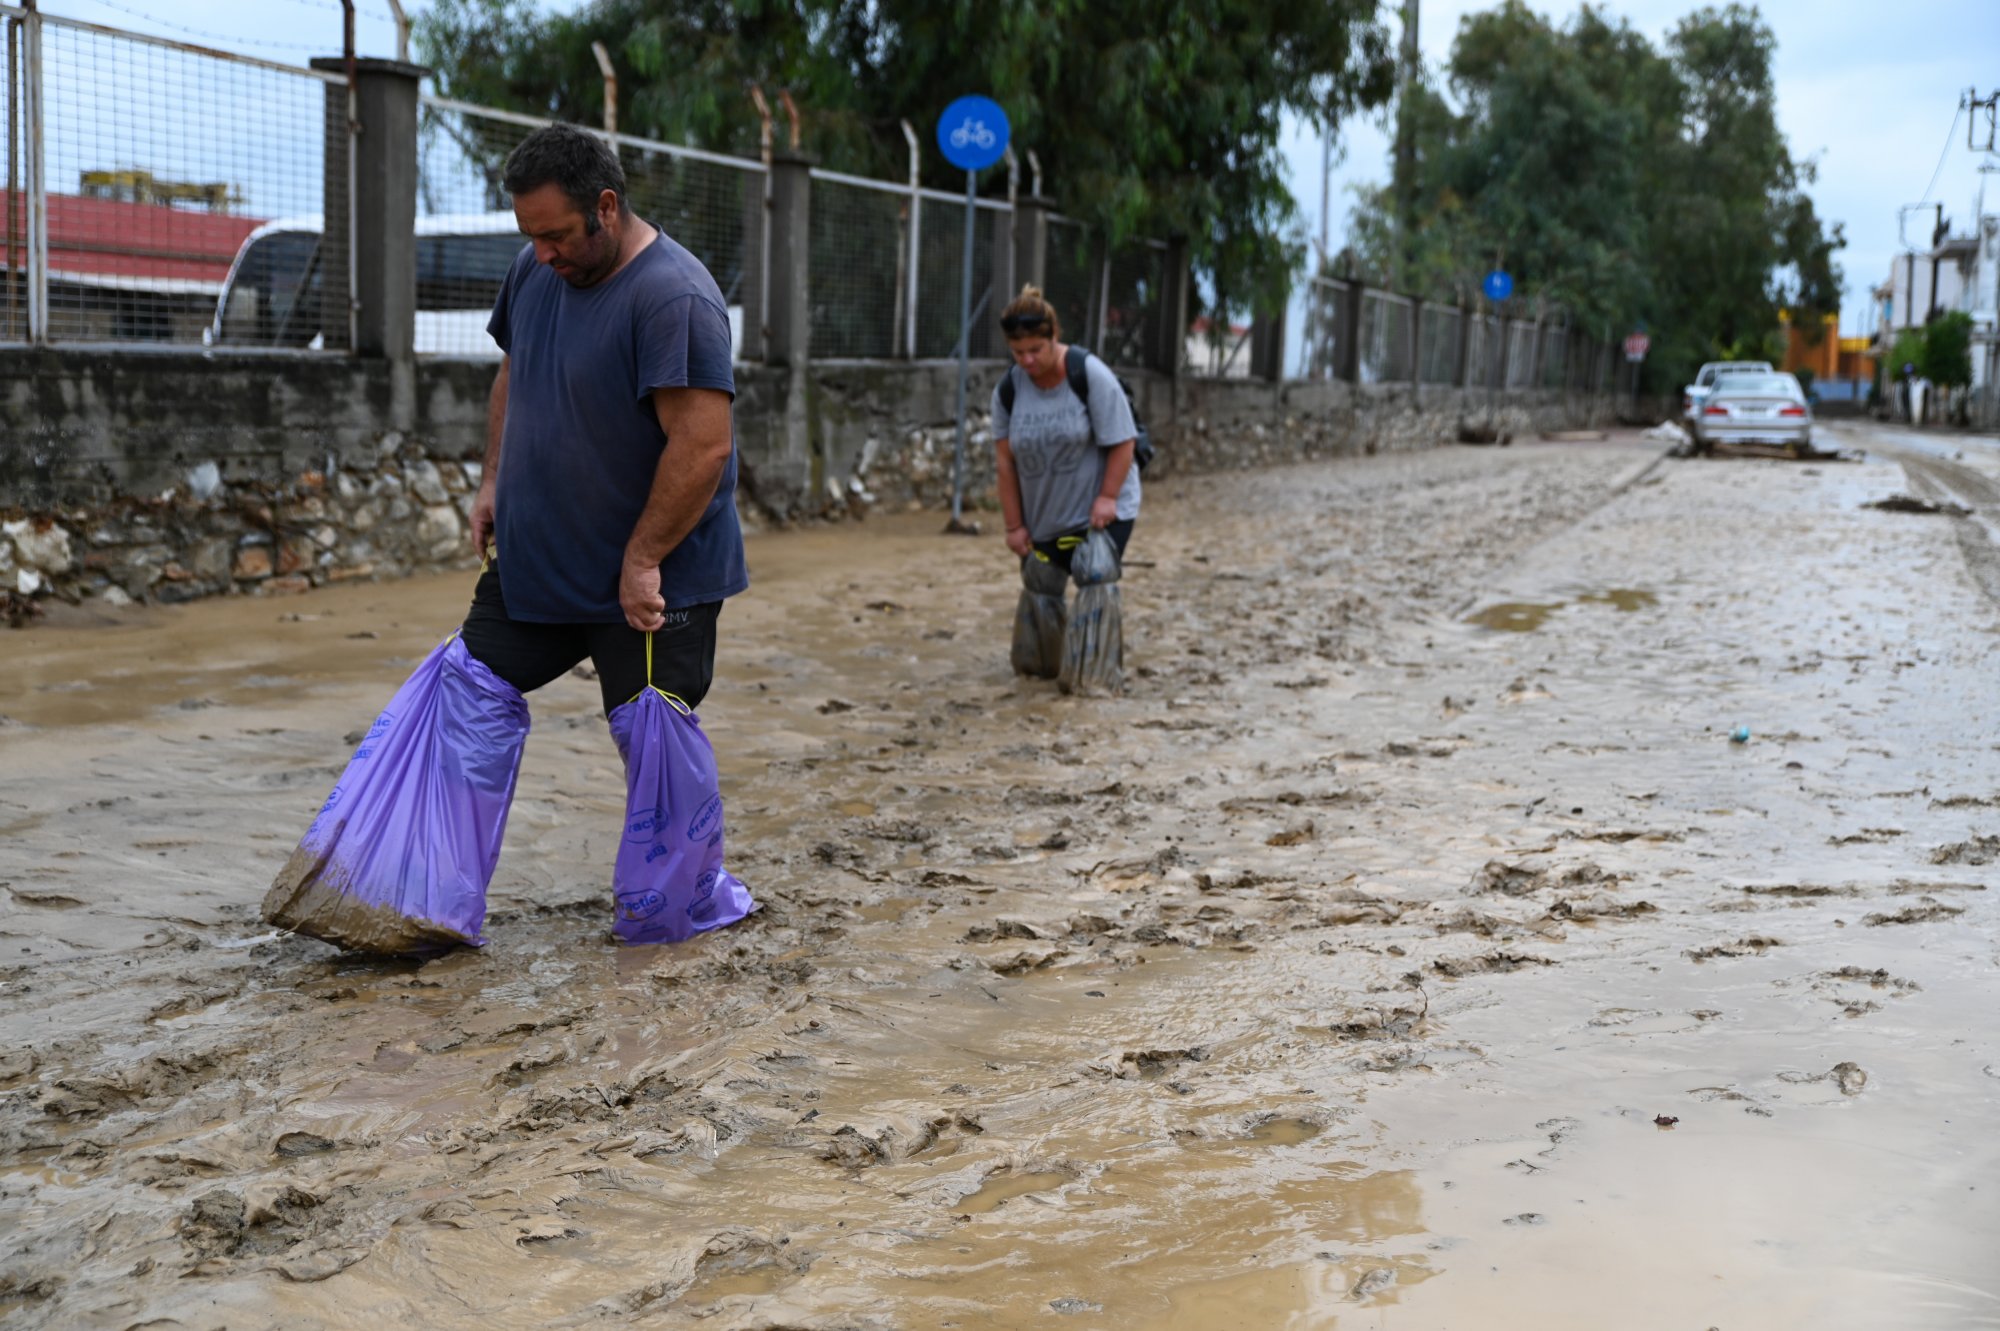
x: 972, y: 133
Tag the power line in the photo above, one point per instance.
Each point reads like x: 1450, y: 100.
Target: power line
x: 1943, y: 155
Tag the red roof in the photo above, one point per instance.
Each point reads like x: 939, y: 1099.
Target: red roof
x: 138, y: 243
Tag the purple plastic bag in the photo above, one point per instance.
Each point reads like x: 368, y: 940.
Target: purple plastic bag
x: 400, y: 855
x: 669, y: 882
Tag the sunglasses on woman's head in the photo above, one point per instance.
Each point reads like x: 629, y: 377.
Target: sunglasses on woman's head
x: 1013, y: 325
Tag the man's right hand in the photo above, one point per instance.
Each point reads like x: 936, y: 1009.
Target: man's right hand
x: 482, y: 518
x: 1019, y: 542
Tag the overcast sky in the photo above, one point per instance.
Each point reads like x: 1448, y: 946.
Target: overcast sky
x: 1866, y: 87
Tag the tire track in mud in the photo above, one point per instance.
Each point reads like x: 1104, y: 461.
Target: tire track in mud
x: 1978, y: 531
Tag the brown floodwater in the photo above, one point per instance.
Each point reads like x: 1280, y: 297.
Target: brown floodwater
x: 1361, y: 967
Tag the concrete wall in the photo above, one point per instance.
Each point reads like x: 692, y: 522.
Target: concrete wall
x: 171, y: 476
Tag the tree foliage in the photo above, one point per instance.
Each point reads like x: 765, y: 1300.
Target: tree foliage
x: 1945, y: 354
x: 1148, y: 116
x: 1627, y: 182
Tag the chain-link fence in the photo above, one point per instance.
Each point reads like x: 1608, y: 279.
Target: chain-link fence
x: 1385, y: 338
x: 1555, y: 341
x: 860, y: 266
x: 1070, y: 277
x: 1319, y: 312
x: 467, y: 238
x: 940, y: 272
x: 1521, y: 340
x: 1437, y: 336
x: 154, y: 169
x: 158, y: 193
x: 1133, y: 301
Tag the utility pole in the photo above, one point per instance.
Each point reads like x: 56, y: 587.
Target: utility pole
x: 1974, y: 104
x: 1910, y: 260
x: 1406, y: 145
x: 1325, y: 198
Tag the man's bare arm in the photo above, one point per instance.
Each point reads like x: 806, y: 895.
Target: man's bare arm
x: 489, y: 476
x: 699, y: 439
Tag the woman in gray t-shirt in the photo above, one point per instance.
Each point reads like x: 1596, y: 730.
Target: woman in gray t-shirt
x: 1065, y: 467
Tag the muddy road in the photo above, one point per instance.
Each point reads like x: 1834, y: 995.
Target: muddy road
x: 1411, y: 947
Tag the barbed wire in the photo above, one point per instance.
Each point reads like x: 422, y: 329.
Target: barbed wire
x: 235, y: 40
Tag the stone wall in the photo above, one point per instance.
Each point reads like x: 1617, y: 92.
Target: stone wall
x: 885, y: 432
x: 166, y: 477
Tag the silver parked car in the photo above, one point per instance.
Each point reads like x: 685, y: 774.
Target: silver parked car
x: 1696, y: 393
x: 1754, y: 409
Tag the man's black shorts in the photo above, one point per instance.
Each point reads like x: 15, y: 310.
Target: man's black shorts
x: 530, y: 655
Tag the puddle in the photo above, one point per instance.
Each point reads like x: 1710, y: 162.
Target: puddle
x: 1529, y: 616
x: 1283, y: 1132
x: 1513, y: 616
x: 1624, y: 598
x: 756, y: 1281
x: 1002, y: 1188
x: 891, y: 908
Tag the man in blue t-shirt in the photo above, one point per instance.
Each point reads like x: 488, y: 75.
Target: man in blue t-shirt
x: 609, y: 489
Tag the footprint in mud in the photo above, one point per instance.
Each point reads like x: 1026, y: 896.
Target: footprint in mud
x: 1152, y: 1064
x: 1978, y: 851
x: 1848, y: 1078
x: 1072, y: 1304
x: 1282, y: 1130
x: 1711, y: 1094
x: 1003, y: 1186
x: 1923, y: 913
x: 1875, y: 979
x: 894, y: 1141
x: 1754, y: 946
x: 1457, y: 968
x: 1794, y: 891
x: 743, y: 1262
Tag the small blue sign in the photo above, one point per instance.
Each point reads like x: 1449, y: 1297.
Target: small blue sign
x: 1498, y: 285
x: 973, y: 133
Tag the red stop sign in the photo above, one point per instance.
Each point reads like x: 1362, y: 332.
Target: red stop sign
x: 1636, y: 345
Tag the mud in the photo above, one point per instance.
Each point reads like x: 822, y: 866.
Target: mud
x: 1346, y: 971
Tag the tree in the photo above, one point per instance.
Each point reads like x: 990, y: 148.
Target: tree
x: 1624, y: 182
x: 1945, y: 355
x: 1149, y: 117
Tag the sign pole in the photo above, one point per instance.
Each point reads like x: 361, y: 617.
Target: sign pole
x: 972, y: 135
x: 964, y: 353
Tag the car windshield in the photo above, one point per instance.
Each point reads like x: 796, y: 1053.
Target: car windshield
x: 1757, y: 385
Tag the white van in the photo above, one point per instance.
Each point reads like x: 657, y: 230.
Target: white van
x: 271, y: 297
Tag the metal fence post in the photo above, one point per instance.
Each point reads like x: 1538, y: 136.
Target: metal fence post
x: 1462, y: 357
x: 916, y: 245
x: 14, y: 296
x: 1349, y: 346
x: 1416, y: 345
x: 1031, y: 243
x: 37, y: 182
x: 1100, y: 297
x: 791, y: 260
x: 1267, y: 342
x: 1169, y: 348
